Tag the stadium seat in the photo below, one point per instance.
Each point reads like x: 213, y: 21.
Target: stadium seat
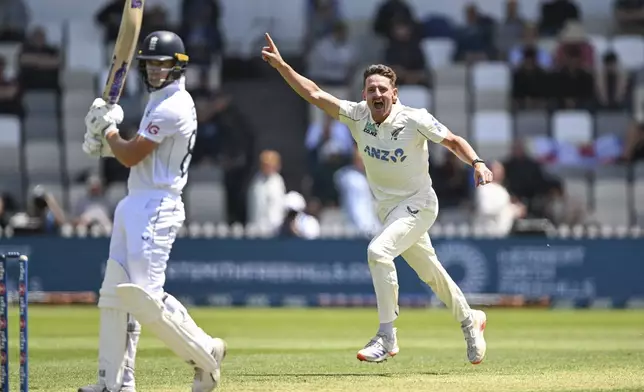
x: 205, y: 173
x: 491, y: 86
x: 78, y: 102
x: 612, y: 123
x: 40, y: 103
x: 491, y: 76
x: 114, y: 193
x: 79, y: 80
x: 416, y: 96
x: 492, y: 134
x: 572, y: 126
x: 43, y: 159
x: 452, y: 76
x: 630, y: 51
x: 9, y: 145
x: 576, y: 182
x: 438, y: 52
x: 10, y: 53
x: 37, y: 127
x: 77, y: 161
x: 531, y: 123
x: 611, y: 195
x: 205, y: 202
x: 74, y: 128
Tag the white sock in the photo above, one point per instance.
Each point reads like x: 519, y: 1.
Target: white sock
x: 387, y: 328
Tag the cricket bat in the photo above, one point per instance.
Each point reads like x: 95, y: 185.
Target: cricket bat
x: 126, y: 43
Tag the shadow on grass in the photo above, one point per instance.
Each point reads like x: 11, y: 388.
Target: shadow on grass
x: 390, y: 375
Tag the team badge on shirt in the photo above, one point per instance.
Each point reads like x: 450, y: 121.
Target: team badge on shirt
x: 370, y: 129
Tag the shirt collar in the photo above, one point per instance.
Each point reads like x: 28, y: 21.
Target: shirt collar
x: 169, y: 89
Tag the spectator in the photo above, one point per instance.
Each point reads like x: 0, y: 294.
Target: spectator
x: 202, y: 37
x: 4, y: 213
x: 14, y: 19
x: 451, y: 181
x: 44, y: 214
x: 406, y: 57
x: 155, y: 18
x: 524, y: 176
x: 530, y: 40
x: 93, y: 209
x: 495, y: 210
x: 10, y: 98
x: 109, y: 18
x: 574, y: 85
x: 330, y: 146
x: 210, y: 107
x: 323, y: 15
x: 475, y: 39
x: 634, y: 143
x: 356, y: 199
x: 611, y: 83
x: 531, y: 84
x: 390, y: 13
x: 509, y: 32
x: 332, y: 59
x: 234, y: 142
x: 629, y: 15
x: 574, y: 36
x: 297, y: 222
x: 555, y: 14
x: 40, y: 63
x: 266, y: 193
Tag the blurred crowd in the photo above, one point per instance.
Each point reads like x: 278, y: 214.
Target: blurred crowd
x: 567, y: 77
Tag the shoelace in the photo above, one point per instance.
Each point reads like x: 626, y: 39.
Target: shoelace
x: 376, y: 342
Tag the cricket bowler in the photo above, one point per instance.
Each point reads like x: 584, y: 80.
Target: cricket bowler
x: 146, y: 222
x: 392, y: 139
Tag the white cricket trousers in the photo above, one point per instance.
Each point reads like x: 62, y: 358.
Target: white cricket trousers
x: 145, y: 227
x: 404, y: 233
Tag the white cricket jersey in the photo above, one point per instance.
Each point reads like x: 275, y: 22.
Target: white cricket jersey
x: 394, y: 153
x: 170, y: 119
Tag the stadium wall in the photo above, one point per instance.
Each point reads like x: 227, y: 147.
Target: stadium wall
x: 228, y: 272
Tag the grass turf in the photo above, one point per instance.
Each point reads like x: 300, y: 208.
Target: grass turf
x: 291, y: 350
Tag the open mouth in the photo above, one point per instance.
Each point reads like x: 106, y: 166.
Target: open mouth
x: 378, y: 104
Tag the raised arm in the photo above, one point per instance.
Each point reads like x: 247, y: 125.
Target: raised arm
x: 306, y: 88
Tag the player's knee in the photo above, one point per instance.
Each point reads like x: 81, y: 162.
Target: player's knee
x: 376, y: 253
x: 115, y: 274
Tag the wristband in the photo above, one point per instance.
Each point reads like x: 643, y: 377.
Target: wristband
x: 477, y: 160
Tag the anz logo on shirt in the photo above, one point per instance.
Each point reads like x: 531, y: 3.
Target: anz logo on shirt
x: 395, y: 156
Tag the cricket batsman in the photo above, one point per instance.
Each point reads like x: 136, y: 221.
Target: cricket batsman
x: 392, y: 139
x: 146, y: 222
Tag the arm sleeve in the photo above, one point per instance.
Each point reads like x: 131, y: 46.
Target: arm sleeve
x: 159, y: 125
x: 429, y: 127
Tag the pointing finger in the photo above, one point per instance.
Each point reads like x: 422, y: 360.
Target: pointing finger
x: 269, y: 40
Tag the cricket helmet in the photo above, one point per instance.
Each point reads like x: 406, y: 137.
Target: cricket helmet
x: 163, y: 46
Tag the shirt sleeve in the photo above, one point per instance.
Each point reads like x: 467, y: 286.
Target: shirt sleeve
x: 159, y: 125
x: 350, y: 112
x: 430, y: 127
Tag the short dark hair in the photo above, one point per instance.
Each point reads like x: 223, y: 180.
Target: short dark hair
x: 380, y: 69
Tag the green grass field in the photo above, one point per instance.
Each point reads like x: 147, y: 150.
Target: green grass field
x: 314, y: 350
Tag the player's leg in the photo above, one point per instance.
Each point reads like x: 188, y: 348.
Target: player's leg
x: 422, y: 258
x: 401, y: 229
x: 159, y: 312
x: 119, y: 332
